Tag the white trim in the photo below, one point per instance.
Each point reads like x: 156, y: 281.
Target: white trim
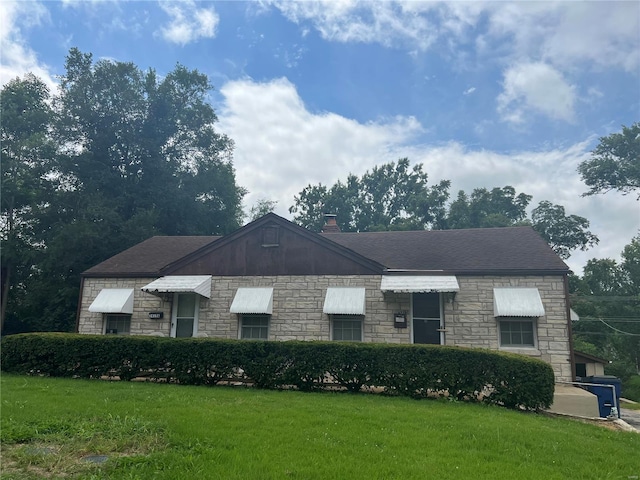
x: 241, y: 317
x: 174, y: 314
x: 200, y: 284
x: 517, y: 302
x: 253, y: 300
x: 419, y: 283
x: 441, y: 324
x: 513, y: 347
x: 344, y: 301
x: 113, y: 300
x: 352, y: 317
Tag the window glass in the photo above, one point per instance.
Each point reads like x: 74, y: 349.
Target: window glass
x: 254, y: 327
x: 186, y: 305
x: 516, y: 333
x: 118, y: 324
x: 185, y: 311
x: 426, y: 305
x: 347, y: 328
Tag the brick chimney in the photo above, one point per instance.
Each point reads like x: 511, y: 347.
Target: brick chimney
x: 330, y: 224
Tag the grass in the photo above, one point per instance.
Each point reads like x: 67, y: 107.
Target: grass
x: 179, y: 432
x: 631, y: 406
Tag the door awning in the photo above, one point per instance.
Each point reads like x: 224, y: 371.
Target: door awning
x: 517, y: 302
x: 344, y: 300
x: 419, y: 283
x: 253, y: 300
x: 113, y: 300
x: 200, y: 284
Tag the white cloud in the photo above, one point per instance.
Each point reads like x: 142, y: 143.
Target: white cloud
x: 281, y: 147
x: 469, y: 91
x: 538, y: 87
x: 387, y: 23
x: 188, y: 22
x: 17, y: 57
x: 560, y: 33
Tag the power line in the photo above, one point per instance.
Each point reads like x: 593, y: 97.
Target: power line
x: 595, y: 333
x: 620, y: 331
x: 611, y: 319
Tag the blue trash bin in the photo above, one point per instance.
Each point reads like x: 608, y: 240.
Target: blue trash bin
x: 604, y: 392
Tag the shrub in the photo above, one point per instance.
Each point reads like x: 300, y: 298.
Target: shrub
x: 514, y: 381
x: 631, y: 388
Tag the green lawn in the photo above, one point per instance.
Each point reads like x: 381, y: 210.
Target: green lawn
x: 179, y: 432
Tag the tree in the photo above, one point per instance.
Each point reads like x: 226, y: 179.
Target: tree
x: 563, y: 233
x: 392, y: 196
x: 137, y: 155
x: 607, y: 299
x: 27, y: 157
x: 498, y: 207
x: 261, y: 208
x: 615, y: 163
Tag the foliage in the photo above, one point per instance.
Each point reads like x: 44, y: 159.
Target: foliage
x: 498, y: 207
x: 409, y: 370
x: 632, y: 388
x: 563, y: 233
x: 261, y: 208
x: 122, y: 155
x: 173, y: 432
x: 607, y: 299
x: 614, y: 163
x: 27, y: 154
x: 392, y: 196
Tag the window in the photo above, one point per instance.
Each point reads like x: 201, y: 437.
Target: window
x: 347, y: 328
x: 117, y: 324
x: 185, y: 315
x: 517, y: 333
x: 427, y: 320
x: 254, y: 327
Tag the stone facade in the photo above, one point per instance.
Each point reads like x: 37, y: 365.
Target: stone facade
x: 298, y: 303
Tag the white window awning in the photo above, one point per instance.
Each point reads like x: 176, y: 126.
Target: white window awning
x: 419, y: 283
x: 113, y: 300
x: 574, y: 316
x: 344, y: 300
x: 200, y: 284
x: 517, y: 302
x: 253, y: 300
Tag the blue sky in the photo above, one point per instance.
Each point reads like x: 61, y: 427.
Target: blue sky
x: 484, y: 94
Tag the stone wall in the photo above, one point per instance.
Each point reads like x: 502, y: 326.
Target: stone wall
x: 298, y: 302
x: 469, y: 320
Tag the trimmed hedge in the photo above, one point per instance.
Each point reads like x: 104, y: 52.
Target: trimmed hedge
x: 514, y: 381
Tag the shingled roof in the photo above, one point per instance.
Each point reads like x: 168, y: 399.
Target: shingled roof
x: 473, y: 251
x: 478, y: 250
x: 149, y: 258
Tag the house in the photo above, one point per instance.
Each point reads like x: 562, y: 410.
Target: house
x: 495, y: 288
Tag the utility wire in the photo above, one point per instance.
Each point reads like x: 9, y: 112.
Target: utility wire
x: 620, y: 331
x: 611, y: 319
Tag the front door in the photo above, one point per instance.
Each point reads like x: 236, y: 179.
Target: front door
x: 184, y: 317
x: 427, y: 318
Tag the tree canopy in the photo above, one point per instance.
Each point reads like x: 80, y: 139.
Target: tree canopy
x: 120, y: 155
x: 498, y: 207
x: 395, y: 196
x: 392, y: 196
x: 607, y: 299
x: 614, y: 163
